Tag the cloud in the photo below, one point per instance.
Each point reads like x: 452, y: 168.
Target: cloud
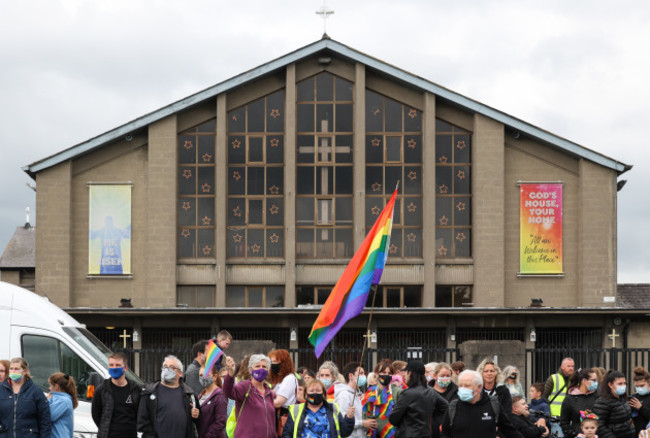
x: 75, y: 69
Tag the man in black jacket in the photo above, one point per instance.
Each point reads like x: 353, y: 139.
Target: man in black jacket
x: 115, y: 403
x: 475, y: 414
x: 521, y: 421
x: 169, y: 408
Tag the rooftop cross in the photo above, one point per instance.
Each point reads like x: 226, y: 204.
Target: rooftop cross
x: 324, y: 13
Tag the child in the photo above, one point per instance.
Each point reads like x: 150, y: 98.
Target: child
x: 300, y: 396
x: 63, y: 400
x: 372, y: 379
x: 537, y: 403
x: 588, y: 427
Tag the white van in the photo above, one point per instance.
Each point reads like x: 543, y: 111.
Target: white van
x: 52, y: 341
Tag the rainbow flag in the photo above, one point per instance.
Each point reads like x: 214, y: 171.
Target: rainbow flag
x: 213, y: 355
x: 350, y: 293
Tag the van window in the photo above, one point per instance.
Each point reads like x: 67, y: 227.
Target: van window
x: 47, y: 356
x: 75, y: 366
x: 42, y: 354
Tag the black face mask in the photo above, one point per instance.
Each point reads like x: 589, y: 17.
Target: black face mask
x: 385, y: 379
x: 315, y: 399
x: 275, y: 368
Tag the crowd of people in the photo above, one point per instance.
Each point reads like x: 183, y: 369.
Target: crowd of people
x: 264, y: 396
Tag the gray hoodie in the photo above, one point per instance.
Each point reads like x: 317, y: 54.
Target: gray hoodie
x: 344, y: 396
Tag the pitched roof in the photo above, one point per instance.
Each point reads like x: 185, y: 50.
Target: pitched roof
x: 21, y: 249
x: 334, y: 47
x: 633, y: 295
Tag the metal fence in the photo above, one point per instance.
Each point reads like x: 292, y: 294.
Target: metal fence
x: 539, y: 362
x: 542, y: 362
x: 146, y: 362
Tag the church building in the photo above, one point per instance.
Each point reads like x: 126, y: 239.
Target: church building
x: 238, y: 208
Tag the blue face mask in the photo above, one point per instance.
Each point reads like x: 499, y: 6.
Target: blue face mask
x: 620, y: 389
x: 326, y: 382
x: 465, y: 394
x: 116, y: 372
x: 592, y: 386
x: 641, y: 390
x: 361, y: 381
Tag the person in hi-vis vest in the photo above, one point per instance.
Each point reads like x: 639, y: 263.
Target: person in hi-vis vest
x: 317, y: 417
x: 555, y: 389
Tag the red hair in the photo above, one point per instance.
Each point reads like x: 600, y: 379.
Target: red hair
x: 286, y: 365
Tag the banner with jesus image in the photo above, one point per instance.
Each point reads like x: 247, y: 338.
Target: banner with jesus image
x: 109, y: 222
x: 541, y: 229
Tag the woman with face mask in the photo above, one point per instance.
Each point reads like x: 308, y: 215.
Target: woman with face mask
x: 442, y: 375
x: 317, y: 417
x: 285, y: 385
x: 254, y: 408
x: 24, y: 410
x: 213, y: 404
x: 581, y: 396
x: 328, y: 373
x: 614, y: 414
x: 640, y: 400
x: 379, y: 400
x: 511, y: 382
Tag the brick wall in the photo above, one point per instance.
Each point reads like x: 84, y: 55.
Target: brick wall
x: 53, y: 258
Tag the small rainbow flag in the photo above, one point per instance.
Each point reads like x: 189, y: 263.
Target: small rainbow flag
x: 350, y: 293
x: 213, y: 355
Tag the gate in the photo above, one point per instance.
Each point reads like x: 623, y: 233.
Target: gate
x: 542, y: 362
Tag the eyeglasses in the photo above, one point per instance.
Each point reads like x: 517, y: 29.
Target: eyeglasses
x: 170, y: 367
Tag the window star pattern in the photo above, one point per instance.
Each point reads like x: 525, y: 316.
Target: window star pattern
x: 196, y: 192
x: 394, y: 153
x: 324, y: 168
x: 255, y: 205
x: 453, y: 191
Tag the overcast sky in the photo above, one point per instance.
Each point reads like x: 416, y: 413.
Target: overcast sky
x: 73, y: 69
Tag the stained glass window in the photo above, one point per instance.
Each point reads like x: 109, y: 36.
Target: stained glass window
x: 196, y: 193
x: 394, y: 153
x: 453, y: 191
x: 256, y: 179
x: 324, y: 168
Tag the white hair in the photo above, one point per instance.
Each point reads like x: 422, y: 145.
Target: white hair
x: 477, y: 379
x: 257, y: 358
x: 179, y: 364
x: 430, y: 366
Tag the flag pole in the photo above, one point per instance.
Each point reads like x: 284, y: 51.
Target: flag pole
x: 372, y: 308
x: 374, y: 288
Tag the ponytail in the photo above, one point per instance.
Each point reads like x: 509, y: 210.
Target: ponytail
x: 67, y: 384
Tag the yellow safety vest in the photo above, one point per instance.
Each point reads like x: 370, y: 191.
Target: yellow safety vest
x: 296, y: 412
x: 558, y: 394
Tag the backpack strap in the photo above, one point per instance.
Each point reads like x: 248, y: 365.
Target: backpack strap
x: 243, y: 403
x: 452, y: 412
x: 496, y: 407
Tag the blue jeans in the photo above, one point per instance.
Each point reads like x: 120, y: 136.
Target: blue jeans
x: 555, y: 428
